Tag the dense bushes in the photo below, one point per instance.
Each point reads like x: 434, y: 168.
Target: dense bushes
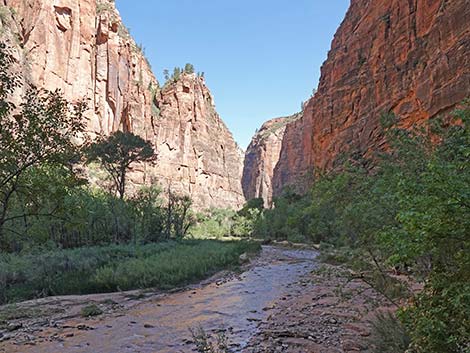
x: 411, y: 211
x: 45, y: 201
x: 214, y: 223
x: 69, y: 217
x: 186, y: 262
x: 114, y: 267
x: 218, y: 223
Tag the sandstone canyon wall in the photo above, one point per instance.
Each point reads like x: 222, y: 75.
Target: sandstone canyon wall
x: 261, y: 158
x: 82, y: 48
x: 411, y: 57
x: 196, y: 146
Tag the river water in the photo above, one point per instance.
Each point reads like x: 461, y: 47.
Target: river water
x: 236, y: 305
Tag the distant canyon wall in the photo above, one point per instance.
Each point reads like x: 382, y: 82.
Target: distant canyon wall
x: 261, y: 158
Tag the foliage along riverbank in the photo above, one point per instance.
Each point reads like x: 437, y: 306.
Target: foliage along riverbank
x: 113, y: 268
x: 70, y: 226
x: 409, y: 213
x: 403, y: 211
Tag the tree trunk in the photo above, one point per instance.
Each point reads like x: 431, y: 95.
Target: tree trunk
x: 122, y: 184
x: 169, y: 215
x: 3, y: 214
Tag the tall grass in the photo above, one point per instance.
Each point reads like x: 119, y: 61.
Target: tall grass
x: 114, y: 267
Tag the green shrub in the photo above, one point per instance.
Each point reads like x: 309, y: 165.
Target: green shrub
x: 219, y: 223
x: 207, y: 344
x: 439, y: 320
x: 90, y: 310
x: 388, y: 334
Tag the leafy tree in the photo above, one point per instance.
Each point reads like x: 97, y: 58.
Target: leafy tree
x: 433, y: 234
x: 178, y: 216
x: 215, y: 223
x: 148, y: 205
x: 182, y: 219
x: 42, y: 129
x: 117, y: 153
x: 253, y: 204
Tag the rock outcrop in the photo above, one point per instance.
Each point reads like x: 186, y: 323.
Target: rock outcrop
x: 408, y: 57
x: 197, y: 154
x: 82, y: 48
x: 262, y: 157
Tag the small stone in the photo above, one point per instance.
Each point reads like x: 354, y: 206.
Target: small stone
x: 14, y: 327
x: 244, y: 258
x: 84, y: 327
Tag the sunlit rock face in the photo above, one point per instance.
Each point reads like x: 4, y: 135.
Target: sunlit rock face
x: 409, y: 57
x: 194, y: 143
x: 262, y: 157
x: 82, y: 48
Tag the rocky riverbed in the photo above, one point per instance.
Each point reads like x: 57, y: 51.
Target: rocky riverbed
x: 146, y: 321
x: 327, y: 312
x: 282, y: 301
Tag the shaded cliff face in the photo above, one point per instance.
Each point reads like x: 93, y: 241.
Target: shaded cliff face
x: 410, y: 57
x: 82, y: 48
x: 262, y: 157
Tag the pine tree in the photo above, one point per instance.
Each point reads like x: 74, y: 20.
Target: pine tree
x: 189, y: 68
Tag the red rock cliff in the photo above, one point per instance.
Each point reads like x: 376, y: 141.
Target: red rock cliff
x: 262, y: 157
x: 197, y: 153
x: 408, y: 56
x: 83, y: 48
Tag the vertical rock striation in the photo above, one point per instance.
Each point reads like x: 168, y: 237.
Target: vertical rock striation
x: 197, y: 148
x: 82, y: 48
x: 411, y: 57
x: 262, y: 157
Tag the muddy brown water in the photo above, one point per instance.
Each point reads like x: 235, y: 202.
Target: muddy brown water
x: 237, y: 306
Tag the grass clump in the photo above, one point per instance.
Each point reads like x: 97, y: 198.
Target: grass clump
x: 204, y: 343
x: 13, y: 312
x: 90, y: 311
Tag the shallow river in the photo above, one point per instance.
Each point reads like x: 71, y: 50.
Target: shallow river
x: 162, y: 325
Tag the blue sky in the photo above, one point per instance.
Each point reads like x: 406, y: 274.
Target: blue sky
x: 261, y: 58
